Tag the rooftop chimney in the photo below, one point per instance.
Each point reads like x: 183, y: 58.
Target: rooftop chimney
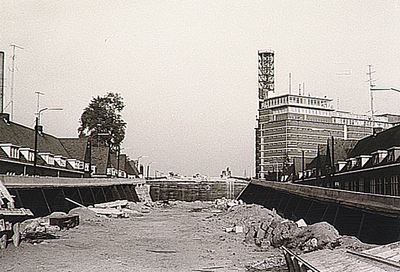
x: 5, y: 117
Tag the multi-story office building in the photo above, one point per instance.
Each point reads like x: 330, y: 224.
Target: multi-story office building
x: 290, y: 127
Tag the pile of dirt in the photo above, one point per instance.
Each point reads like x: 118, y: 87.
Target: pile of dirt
x: 88, y: 217
x: 266, y: 228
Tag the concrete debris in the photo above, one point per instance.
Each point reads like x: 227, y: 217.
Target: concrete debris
x: 301, y: 223
x: 278, y: 263
x: 114, y: 209
x: 40, y: 228
x: 37, y: 229
x: 236, y: 229
x: 114, y: 204
x: 228, y: 229
x: 266, y: 228
x: 225, y: 204
x: 143, y: 193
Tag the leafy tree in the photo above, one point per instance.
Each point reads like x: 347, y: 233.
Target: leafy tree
x: 102, y: 121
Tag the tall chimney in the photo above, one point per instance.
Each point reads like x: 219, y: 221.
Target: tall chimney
x: 1, y: 82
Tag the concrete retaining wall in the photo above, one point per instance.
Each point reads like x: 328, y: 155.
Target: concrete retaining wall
x: 192, y: 191
x: 41, y: 182
x: 368, y: 226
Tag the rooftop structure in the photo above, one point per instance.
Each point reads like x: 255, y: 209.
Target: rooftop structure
x: 56, y: 157
x: 291, y: 127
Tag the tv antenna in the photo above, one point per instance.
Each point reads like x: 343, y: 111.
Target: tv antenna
x: 372, y: 89
x: 371, y: 86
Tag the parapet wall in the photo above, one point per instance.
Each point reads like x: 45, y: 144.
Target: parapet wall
x: 47, y: 182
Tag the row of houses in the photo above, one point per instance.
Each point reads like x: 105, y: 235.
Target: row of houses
x: 57, y: 157
x: 371, y: 166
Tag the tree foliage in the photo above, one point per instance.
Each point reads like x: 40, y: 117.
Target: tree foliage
x: 102, y: 121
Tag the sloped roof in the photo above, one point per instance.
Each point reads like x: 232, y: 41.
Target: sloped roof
x: 114, y: 160
x: 122, y: 162
x: 76, y: 147
x: 341, y: 150
x: 22, y: 136
x: 381, y: 141
x: 131, y: 168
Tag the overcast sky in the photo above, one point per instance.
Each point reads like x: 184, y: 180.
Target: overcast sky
x: 187, y: 70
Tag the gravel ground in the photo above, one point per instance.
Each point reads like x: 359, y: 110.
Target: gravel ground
x: 179, y: 236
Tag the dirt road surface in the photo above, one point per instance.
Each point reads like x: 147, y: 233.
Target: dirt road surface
x: 179, y: 236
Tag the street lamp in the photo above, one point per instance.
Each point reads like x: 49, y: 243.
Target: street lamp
x: 37, y: 126
x: 138, y: 161
x: 277, y: 172
x: 148, y: 169
x: 46, y: 109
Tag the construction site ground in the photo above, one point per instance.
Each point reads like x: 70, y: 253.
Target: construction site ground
x: 174, y: 236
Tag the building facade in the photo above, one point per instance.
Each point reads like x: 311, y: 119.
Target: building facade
x: 56, y: 157
x: 290, y: 127
x: 372, y: 166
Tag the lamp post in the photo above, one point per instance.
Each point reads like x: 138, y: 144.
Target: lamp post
x: 37, y: 126
x: 148, y: 169
x: 277, y: 172
x: 138, y: 162
x: 47, y: 109
x: 36, y: 143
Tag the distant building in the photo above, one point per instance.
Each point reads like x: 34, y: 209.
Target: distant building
x: 291, y: 127
x: 57, y: 157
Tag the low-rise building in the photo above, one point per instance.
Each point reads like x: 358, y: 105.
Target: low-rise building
x: 372, y: 166
x: 56, y: 157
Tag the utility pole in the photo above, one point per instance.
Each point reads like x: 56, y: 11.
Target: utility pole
x: 14, y: 46
x: 302, y: 164
x: 36, y: 145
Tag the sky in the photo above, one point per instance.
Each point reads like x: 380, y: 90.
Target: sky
x: 187, y: 70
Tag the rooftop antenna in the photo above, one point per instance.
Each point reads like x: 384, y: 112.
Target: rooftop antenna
x: 1, y: 82
x: 371, y: 86
x: 290, y: 83
x: 14, y: 46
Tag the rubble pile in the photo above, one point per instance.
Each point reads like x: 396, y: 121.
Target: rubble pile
x: 266, y: 228
x: 113, y: 209
x: 37, y: 229
x: 225, y: 204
